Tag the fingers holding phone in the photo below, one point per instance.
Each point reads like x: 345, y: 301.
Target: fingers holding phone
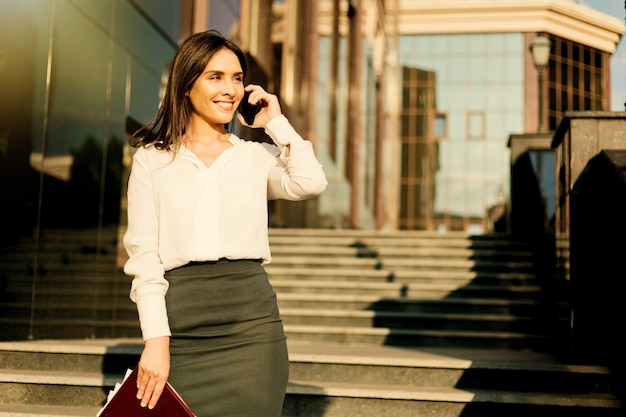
x: 257, y: 107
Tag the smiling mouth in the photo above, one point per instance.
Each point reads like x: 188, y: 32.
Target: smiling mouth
x: 225, y: 105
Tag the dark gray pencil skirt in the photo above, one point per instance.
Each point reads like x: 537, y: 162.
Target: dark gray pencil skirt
x: 228, y: 348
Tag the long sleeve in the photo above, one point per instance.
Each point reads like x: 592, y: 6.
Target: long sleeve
x: 142, y: 244
x: 300, y: 176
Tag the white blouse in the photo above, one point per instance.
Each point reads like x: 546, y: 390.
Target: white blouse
x: 180, y: 210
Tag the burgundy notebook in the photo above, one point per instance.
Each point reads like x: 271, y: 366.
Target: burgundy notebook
x: 123, y: 402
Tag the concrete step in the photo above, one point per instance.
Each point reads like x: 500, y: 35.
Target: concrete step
x: 65, y: 253
x: 56, y: 268
x: 362, y: 238
x: 397, y: 251
x: 437, y: 331
x: 331, y: 379
x: 30, y: 410
x: 461, y: 368
x: 451, y: 304
x: 388, y: 275
x: 87, y: 314
x: 24, y: 329
x: 339, y: 400
x: 431, y: 321
x: 327, y: 304
x: 402, y: 263
x: 75, y: 277
x: 87, y: 309
x: 346, y: 268
x: 334, y: 313
x: 54, y: 292
x: 431, y: 290
x: 484, y: 339
x: 50, y: 296
x: 509, y: 340
x: 117, y: 293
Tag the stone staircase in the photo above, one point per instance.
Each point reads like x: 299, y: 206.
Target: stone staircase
x: 415, y: 289
x: 378, y: 324
x: 65, y: 284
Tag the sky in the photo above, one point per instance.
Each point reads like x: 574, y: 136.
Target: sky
x: 615, y: 8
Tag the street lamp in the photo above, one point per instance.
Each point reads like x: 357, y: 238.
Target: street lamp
x: 540, y: 50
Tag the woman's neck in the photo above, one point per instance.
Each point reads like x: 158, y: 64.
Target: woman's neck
x: 206, y: 133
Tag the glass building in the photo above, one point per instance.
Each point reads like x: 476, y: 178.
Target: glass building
x: 462, y: 94
x: 414, y: 118
x: 458, y: 81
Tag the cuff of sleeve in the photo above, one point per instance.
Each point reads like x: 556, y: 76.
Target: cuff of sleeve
x: 281, y: 131
x: 153, y: 316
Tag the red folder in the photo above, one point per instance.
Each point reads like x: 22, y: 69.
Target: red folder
x: 124, y: 402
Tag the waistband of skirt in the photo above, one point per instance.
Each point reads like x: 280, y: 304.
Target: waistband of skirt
x: 222, y: 260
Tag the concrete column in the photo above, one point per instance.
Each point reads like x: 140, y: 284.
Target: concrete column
x: 391, y: 141
x: 355, y: 59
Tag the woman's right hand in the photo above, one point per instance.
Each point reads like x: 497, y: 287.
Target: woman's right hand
x: 270, y: 106
x: 153, y: 370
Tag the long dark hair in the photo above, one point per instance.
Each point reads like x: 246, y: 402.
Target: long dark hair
x: 169, y: 125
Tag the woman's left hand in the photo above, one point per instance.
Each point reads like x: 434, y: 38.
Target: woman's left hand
x: 270, y: 107
x: 153, y: 370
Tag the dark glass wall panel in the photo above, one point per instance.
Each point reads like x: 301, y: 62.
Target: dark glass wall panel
x: 71, y: 74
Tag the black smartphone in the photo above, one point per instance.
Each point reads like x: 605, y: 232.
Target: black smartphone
x: 247, y: 110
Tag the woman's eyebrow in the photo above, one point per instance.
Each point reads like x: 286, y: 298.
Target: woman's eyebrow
x: 219, y: 72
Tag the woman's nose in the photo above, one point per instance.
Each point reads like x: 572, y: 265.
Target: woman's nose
x: 228, y: 88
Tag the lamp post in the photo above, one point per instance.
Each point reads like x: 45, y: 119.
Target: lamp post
x: 540, y: 50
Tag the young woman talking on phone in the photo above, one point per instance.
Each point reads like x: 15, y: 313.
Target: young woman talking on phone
x: 197, y: 236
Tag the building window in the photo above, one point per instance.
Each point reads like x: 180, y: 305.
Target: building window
x: 475, y: 125
x: 576, y: 79
x: 440, y: 126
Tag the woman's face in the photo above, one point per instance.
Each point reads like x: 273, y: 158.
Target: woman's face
x: 218, y: 90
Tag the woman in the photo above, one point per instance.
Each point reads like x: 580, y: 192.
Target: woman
x: 197, y: 236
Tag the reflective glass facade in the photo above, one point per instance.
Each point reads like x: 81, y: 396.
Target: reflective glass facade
x: 462, y: 95
x: 75, y: 77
